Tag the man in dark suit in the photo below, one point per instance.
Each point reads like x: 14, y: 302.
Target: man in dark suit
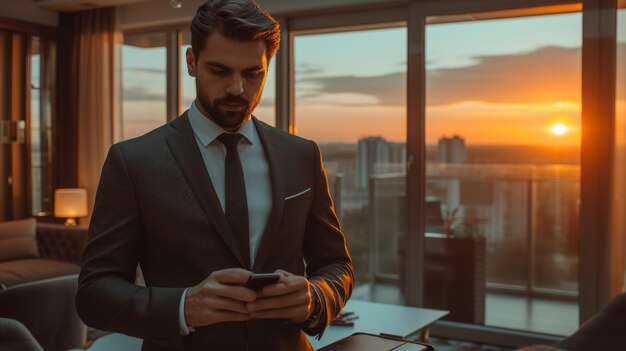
x: 204, y: 201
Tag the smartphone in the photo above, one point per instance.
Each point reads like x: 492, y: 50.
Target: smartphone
x: 259, y: 280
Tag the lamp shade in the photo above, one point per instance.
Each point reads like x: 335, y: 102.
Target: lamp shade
x: 70, y: 203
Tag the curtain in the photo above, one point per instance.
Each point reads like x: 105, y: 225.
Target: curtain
x: 14, y: 179
x: 97, y: 51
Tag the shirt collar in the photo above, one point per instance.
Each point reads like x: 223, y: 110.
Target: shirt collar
x: 207, y: 131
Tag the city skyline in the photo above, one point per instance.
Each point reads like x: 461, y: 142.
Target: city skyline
x: 459, y: 152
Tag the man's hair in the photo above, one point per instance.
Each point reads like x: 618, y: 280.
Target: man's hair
x: 241, y: 20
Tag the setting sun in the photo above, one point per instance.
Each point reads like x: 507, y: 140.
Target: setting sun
x: 559, y: 129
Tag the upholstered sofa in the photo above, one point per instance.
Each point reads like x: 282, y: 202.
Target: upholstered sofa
x: 39, y: 265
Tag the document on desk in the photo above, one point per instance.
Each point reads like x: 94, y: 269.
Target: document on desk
x: 369, y: 342
x: 376, y: 318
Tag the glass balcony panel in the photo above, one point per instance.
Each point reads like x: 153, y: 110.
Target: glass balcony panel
x: 556, y: 233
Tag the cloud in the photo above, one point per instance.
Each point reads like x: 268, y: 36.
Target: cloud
x: 388, y: 89
x: 547, y: 74
x: 140, y: 93
x: 144, y: 70
x: 306, y: 69
x: 544, y: 75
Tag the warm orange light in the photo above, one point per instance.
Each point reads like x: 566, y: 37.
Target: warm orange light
x: 559, y: 129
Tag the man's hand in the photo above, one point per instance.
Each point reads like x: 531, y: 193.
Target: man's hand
x: 290, y: 298
x: 219, y: 298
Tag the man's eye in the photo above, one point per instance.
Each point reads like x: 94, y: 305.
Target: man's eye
x: 219, y: 72
x: 253, y: 74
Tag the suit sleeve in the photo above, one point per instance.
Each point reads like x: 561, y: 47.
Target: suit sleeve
x: 107, y: 298
x: 329, y: 265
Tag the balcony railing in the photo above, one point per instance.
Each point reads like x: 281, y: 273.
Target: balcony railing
x: 527, y: 213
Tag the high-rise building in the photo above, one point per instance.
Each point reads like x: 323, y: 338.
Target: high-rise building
x: 452, y: 150
x: 377, y: 156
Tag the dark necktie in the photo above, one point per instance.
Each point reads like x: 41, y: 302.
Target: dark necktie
x: 235, y: 189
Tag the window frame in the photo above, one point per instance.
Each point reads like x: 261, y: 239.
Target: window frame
x: 19, y: 200
x: 173, y: 97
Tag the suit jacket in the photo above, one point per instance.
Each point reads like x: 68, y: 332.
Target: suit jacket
x: 156, y: 206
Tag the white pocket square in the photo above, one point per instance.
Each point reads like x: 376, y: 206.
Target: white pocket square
x: 298, y: 194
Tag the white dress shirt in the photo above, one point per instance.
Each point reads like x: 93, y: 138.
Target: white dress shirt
x: 255, y: 170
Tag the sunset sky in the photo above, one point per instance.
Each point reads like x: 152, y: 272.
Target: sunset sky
x: 491, y: 82
x: 505, y: 81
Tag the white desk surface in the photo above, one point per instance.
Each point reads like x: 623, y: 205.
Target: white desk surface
x: 373, y: 318
x: 376, y: 318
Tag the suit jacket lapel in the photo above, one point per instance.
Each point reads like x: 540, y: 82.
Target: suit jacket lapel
x: 278, y: 196
x: 182, y: 143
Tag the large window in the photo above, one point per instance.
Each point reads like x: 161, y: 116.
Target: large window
x: 27, y: 66
x: 502, y: 148
x: 351, y: 100
x: 503, y: 166
x: 144, y: 83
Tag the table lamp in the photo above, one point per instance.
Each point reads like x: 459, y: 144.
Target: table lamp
x: 70, y: 204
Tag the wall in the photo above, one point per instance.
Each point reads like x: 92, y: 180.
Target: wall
x: 158, y: 13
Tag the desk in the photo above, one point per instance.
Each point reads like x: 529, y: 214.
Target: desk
x: 376, y: 318
x: 373, y: 318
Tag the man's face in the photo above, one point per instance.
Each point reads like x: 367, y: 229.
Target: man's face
x: 230, y: 76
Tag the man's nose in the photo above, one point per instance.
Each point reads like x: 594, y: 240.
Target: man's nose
x: 235, y: 86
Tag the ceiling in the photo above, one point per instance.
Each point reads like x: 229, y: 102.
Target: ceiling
x: 77, y: 5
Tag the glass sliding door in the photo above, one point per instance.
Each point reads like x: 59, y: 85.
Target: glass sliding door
x: 42, y: 80
x: 503, y: 93
x: 351, y: 100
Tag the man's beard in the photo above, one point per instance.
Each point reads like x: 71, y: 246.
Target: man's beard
x: 228, y: 119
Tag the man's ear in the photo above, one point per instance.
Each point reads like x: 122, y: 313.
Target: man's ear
x: 191, y: 62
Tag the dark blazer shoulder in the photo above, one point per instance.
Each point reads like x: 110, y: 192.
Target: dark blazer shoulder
x: 155, y: 135
x: 155, y: 140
